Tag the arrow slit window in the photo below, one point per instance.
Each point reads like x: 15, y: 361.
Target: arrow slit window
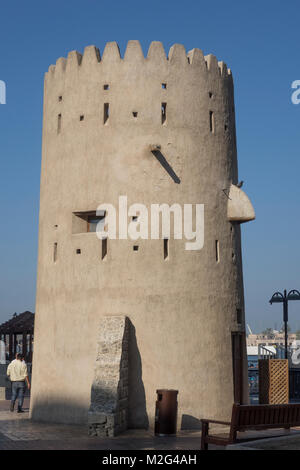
x: 163, y: 113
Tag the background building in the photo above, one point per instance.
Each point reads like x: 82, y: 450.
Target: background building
x: 276, y: 338
x: 17, y: 335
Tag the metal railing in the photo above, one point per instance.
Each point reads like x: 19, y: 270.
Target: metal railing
x: 265, y: 353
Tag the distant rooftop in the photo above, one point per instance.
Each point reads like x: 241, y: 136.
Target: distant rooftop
x: 18, y: 324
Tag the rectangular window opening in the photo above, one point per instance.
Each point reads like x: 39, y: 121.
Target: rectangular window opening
x: 217, y: 251
x: 85, y: 222
x: 239, y: 316
x: 106, y: 113
x: 60, y: 98
x: 81, y: 118
x: 163, y: 113
x: 106, y: 86
x: 135, y: 248
x: 166, y: 248
x: 164, y: 86
x: 134, y: 114
x: 104, y: 248
x: 55, y: 252
x: 211, y: 122
x: 78, y: 251
x: 59, y: 123
x: 93, y: 220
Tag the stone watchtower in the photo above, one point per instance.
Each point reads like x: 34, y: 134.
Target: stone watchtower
x: 158, y: 130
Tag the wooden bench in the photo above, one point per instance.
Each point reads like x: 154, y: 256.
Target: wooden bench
x: 252, y: 417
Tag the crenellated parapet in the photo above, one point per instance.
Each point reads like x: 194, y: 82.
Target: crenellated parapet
x: 182, y: 89
x: 177, y: 56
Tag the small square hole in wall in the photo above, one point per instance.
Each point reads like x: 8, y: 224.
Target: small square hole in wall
x: 164, y: 86
x: 106, y: 86
x: 78, y: 251
x: 210, y: 94
x: 135, y: 247
x: 81, y: 118
x: 134, y: 218
x: 134, y: 114
x: 60, y: 98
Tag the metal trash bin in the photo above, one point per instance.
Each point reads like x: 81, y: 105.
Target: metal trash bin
x: 166, y: 412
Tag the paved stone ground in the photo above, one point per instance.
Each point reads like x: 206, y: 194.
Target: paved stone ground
x: 287, y: 443
x: 18, y: 432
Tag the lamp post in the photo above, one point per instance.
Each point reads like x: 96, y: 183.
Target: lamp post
x: 278, y: 297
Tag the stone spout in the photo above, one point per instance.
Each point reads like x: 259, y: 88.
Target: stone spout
x: 239, y: 208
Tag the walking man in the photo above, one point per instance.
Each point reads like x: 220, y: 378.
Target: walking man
x: 17, y: 372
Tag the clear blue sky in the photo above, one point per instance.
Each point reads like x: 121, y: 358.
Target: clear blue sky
x: 259, y: 40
